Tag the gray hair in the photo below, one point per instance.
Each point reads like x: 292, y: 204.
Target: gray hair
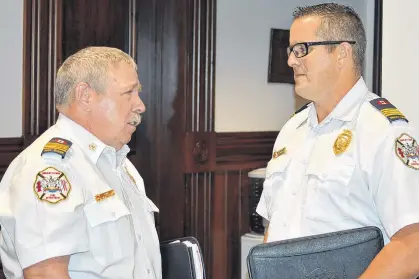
x: 339, y: 23
x: 88, y: 65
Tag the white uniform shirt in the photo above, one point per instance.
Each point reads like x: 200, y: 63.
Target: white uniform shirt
x: 309, y: 190
x: 114, y: 237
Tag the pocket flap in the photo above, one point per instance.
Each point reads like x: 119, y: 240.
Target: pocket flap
x: 151, y: 206
x: 108, y: 210
x: 277, y: 165
x: 336, y: 170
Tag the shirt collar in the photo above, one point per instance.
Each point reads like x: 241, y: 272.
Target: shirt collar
x: 346, y: 108
x: 92, y: 147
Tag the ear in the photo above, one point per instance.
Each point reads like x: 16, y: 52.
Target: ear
x: 83, y: 95
x: 344, y: 53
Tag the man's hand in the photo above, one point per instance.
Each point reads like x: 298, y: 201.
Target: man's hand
x: 399, y: 258
x: 54, y: 268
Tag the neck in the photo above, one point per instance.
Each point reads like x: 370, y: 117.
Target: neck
x: 332, y: 99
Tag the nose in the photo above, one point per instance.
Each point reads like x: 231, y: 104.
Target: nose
x: 292, y: 60
x: 139, y: 104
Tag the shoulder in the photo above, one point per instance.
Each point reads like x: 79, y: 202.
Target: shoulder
x: 378, y: 115
x: 48, y: 151
x: 298, y: 118
x: 387, y: 109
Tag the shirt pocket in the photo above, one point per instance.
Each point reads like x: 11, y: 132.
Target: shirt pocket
x: 328, y: 190
x: 276, y: 167
x: 111, y: 232
x: 151, y: 208
x: 273, y: 184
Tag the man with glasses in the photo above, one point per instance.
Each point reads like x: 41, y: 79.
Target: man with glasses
x: 348, y: 159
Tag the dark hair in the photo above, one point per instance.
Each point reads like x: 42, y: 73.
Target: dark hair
x: 339, y: 23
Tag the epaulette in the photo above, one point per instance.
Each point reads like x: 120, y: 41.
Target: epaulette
x: 301, y: 109
x: 57, y: 145
x: 388, y: 110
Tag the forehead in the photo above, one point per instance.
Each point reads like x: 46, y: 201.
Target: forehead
x: 304, y: 29
x: 123, y: 74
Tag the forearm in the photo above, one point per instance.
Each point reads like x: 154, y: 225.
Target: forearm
x: 55, y: 268
x: 396, y: 260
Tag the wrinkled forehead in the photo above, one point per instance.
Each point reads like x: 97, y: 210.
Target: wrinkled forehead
x: 304, y: 29
x: 123, y: 75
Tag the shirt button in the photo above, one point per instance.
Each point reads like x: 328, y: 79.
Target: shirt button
x: 148, y: 271
x: 285, y: 223
x: 113, y: 214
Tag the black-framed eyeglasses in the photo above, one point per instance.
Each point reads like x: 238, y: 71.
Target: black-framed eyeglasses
x: 301, y: 49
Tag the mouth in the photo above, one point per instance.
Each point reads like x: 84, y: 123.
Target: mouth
x: 135, y: 121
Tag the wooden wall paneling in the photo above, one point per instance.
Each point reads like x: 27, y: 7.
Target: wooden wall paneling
x: 244, y: 150
x: 95, y: 22
x: 230, y: 220
x: 199, y: 212
x: 198, y: 110
x: 9, y: 149
x: 42, y: 55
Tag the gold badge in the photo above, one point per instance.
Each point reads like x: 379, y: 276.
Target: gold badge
x: 342, y: 142
x: 92, y: 147
x: 280, y: 152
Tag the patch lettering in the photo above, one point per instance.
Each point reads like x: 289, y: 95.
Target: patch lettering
x: 407, y: 150
x: 105, y: 195
x: 51, y: 185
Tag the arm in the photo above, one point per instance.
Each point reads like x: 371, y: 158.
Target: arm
x: 394, y: 188
x: 399, y: 258
x: 54, y: 268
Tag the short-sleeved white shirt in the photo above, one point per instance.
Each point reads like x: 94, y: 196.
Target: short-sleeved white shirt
x: 310, y: 190
x: 113, y: 237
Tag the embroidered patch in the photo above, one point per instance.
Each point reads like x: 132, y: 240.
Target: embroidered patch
x: 51, y: 185
x: 388, y: 110
x: 280, y: 152
x: 105, y: 195
x: 407, y: 149
x: 57, y: 145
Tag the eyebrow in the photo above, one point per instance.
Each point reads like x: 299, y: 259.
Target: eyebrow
x: 131, y: 88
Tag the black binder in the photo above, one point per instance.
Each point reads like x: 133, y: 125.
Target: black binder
x: 178, y: 260
x: 342, y: 254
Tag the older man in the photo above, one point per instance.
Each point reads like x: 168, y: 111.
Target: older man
x: 72, y: 205
x: 348, y: 159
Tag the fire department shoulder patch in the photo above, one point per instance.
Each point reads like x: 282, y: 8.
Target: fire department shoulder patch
x: 51, y: 185
x: 407, y: 149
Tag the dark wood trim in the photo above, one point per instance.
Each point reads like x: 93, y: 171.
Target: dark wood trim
x: 9, y: 149
x: 378, y: 37
x: 246, y: 149
x: 200, y: 92
x: 42, y: 55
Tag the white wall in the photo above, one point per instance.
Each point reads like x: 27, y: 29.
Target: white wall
x: 400, y: 59
x: 244, y: 100
x: 11, y: 57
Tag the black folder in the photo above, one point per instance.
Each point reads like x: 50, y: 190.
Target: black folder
x: 343, y: 254
x: 178, y: 261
